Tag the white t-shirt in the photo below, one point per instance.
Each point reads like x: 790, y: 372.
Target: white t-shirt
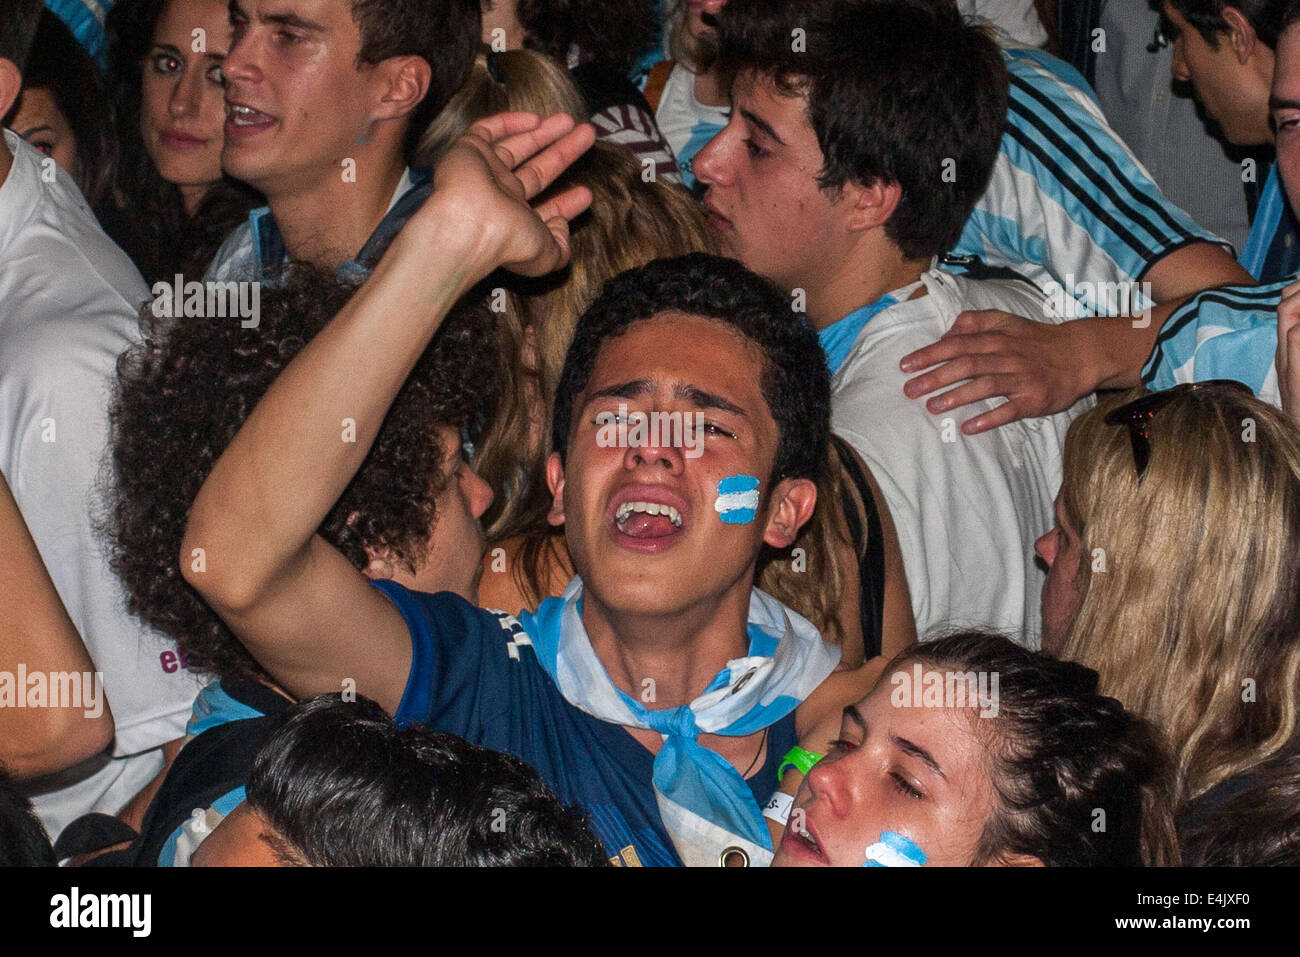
x: 686, y: 123
x: 68, y: 307
x: 967, y: 508
x: 1016, y: 18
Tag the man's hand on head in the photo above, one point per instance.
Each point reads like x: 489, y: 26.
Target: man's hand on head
x: 485, y: 187
x: 1288, y: 350
x: 1035, y: 365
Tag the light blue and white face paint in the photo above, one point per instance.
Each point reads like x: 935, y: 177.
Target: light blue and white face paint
x: 894, y: 850
x: 737, y: 501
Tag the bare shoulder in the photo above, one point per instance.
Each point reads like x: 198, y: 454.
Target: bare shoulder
x: 503, y: 583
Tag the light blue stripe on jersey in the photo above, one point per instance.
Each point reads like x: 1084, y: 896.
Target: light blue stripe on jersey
x: 1066, y: 194
x: 701, y: 133
x: 214, y: 707
x: 1063, y: 71
x: 222, y: 805
x: 1225, y: 333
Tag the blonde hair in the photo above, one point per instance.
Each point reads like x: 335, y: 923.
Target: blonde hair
x: 1190, y: 610
x: 513, y: 81
x: 509, y: 451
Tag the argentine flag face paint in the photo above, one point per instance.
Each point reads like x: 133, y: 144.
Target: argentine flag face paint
x: 737, y: 501
x: 894, y: 850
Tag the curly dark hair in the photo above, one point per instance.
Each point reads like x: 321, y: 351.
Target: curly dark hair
x: 796, y: 383
x: 614, y: 32
x: 1059, y: 753
x: 342, y: 786
x: 898, y: 90
x: 147, y: 217
x: 182, y: 396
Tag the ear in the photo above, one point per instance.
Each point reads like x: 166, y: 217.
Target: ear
x: 791, y: 506
x: 405, y: 81
x: 11, y: 84
x: 555, y: 482
x: 1241, y: 35
x: 869, y: 207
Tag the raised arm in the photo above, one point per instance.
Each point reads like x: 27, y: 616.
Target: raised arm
x: 251, y: 547
x: 38, y: 637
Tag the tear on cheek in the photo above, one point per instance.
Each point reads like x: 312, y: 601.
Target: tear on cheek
x: 737, y: 501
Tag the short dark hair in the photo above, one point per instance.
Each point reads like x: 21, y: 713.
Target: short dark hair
x: 1268, y: 17
x: 445, y: 33
x: 23, y: 841
x: 184, y: 393
x: 1061, y: 752
x: 904, y: 91
x: 18, y: 30
x: 614, y: 32
x: 343, y: 787
x: 795, y: 381
x: 60, y: 65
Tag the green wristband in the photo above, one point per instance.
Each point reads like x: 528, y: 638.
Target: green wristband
x: 799, y: 758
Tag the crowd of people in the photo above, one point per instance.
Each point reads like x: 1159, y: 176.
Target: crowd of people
x: 618, y: 432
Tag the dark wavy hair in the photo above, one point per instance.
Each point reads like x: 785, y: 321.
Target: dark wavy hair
x: 1059, y: 753
x: 795, y: 380
x: 342, y: 786
x: 147, y: 217
x: 61, y: 66
x: 1268, y: 17
x: 901, y: 91
x: 18, y: 30
x: 1257, y: 826
x: 444, y: 32
x: 182, y: 396
x: 612, y: 31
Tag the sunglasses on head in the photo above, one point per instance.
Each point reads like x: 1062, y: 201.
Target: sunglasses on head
x: 1137, y: 415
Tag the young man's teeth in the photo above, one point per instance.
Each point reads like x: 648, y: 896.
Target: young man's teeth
x: 244, y: 115
x: 650, y: 508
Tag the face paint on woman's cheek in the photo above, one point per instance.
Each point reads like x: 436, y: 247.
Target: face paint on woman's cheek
x: 894, y: 850
x: 737, y: 501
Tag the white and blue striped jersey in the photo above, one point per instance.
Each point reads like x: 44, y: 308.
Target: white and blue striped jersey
x: 1224, y: 333
x: 685, y: 122
x: 1068, y: 202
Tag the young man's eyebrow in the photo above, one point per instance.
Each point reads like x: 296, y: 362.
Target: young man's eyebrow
x: 764, y: 127
x: 916, y: 751
x: 292, y: 20
x: 853, y: 714
x: 706, y: 400
x: 623, y: 390
x: 1279, y: 103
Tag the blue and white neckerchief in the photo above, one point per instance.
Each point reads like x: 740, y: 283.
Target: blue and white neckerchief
x: 705, y: 804
x: 837, y: 339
